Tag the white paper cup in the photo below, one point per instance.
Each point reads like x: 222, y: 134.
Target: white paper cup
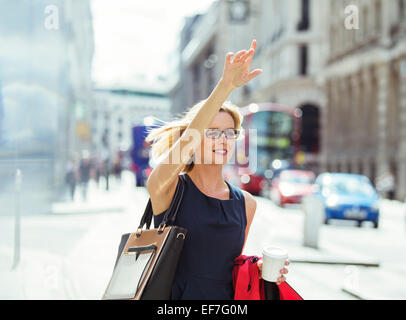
x: 273, y: 260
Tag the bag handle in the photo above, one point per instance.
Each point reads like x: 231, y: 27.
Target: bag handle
x: 169, y: 218
x: 170, y: 214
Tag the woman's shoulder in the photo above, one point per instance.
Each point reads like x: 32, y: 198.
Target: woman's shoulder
x: 244, y: 195
x: 249, y: 199
x: 250, y: 206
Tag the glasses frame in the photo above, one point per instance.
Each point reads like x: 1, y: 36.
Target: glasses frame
x: 221, y: 132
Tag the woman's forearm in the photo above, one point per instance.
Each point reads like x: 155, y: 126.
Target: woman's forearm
x: 236, y: 73
x: 193, y: 134
x: 210, y: 108
x: 182, y: 150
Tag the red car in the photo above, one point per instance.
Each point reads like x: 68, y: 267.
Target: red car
x: 291, y: 186
x: 246, y: 180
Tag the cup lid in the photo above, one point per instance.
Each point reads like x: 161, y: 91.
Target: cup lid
x: 275, y: 252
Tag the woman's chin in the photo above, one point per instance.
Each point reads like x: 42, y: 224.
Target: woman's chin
x: 220, y: 159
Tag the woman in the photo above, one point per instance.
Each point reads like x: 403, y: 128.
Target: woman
x: 217, y: 214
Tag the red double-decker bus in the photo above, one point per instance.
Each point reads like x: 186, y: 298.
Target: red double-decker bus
x: 270, y: 142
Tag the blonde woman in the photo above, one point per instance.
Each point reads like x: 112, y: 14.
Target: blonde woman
x: 217, y: 214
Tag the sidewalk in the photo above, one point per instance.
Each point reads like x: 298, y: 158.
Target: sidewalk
x: 41, y: 274
x: 98, y: 199
x: 91, y: 263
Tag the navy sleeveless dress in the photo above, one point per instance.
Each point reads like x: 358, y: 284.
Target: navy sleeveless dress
x: 216, y: 234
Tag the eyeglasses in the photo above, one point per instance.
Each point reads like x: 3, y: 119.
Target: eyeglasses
x: 216, y: 133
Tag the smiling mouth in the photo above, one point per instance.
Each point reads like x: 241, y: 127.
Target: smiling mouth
x: 222, y: 151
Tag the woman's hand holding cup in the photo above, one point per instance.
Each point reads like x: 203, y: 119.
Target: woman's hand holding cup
x: 272, y: 265
x: 283, y: 271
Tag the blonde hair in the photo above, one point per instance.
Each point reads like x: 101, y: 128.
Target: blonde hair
x: 164, y: 137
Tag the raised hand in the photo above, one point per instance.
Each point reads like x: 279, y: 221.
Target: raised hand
x: 237, y: 71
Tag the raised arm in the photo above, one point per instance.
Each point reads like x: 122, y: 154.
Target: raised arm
x: 163, y: 179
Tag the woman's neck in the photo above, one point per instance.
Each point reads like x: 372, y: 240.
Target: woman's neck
x: 208, y: 177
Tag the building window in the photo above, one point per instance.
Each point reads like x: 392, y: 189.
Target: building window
x: 304, y: 23
x: 333, y: 40
x: 303, y: 60
x: 378, y: 15
x: 402, y: 9
x: 365, y: 23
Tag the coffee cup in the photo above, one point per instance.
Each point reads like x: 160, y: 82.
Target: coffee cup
x: 273, y: 260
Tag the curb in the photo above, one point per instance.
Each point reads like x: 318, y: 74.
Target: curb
x: 66, y: 210
x: 358, y: 295
x: 373, y: 264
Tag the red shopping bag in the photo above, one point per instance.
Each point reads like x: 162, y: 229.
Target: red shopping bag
x: 248, y: 285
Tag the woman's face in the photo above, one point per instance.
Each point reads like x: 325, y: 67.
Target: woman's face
x: 217, y: 151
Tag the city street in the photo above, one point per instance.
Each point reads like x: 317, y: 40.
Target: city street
x: 295, y: 100
x: 70, y: 253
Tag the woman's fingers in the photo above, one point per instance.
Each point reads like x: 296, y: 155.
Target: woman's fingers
x: 243, y: 55
x: 254, y: 74
x: 228, y: 57
x: 259, y: 264
x: 240, y: 54
x: 280, y: 280
x: 237, y: 66
x: 249, y: 56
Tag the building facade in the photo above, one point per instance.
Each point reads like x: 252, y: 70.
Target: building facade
x: 292, y: 50
x: 118, y: 110
x: 204, y: 42
x: 341, y: 62
x: 365, y: 84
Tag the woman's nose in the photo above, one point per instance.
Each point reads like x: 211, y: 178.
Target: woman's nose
x: 223, y: 137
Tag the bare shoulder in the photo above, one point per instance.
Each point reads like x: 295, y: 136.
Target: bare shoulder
x: 250, y: 202
x: 162, y: 198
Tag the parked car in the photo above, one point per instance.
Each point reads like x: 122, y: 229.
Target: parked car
x: 291, y: 186
x: 349, y: 197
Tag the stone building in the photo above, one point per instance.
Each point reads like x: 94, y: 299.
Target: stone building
x: 348, y: 83
x: 364, y: 122
x: 292, y: 50
x: 204, y: 41
x: 118, y: 109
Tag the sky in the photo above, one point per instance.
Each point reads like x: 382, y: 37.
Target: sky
x: 135, y: 37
